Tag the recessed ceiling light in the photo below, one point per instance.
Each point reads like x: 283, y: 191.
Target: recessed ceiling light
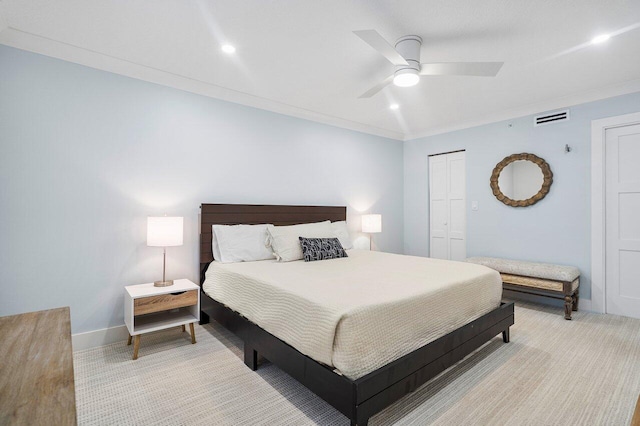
x: 227, y: 48
x: 394, y: 106
x: 600, y: 39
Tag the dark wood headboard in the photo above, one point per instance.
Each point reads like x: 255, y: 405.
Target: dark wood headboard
x: 249, y: 214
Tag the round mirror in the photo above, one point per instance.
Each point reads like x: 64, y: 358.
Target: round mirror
x: 521, y: 180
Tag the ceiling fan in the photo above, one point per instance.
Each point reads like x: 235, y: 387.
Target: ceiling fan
x: 406, y: 57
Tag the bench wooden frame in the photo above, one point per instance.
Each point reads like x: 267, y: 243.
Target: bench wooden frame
x: 526, y: 284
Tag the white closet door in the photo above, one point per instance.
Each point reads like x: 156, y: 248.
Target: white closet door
x: 622, y: 152
x: 438, y: 214
x: 447, y: 206
x: 457, y: 222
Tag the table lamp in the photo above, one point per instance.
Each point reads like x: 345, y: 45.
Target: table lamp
x: 371, y: 224
x: 164, y: 232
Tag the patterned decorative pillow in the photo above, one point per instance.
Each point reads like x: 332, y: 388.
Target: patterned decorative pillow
x: 321, y: 248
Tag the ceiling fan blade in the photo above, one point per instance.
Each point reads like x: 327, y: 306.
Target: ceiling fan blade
x: 375, y: 40
x: 378, y: 87
x: 481, y: 69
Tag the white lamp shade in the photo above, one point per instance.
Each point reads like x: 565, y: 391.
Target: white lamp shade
x: 164, y: 231
x: 371, y: 223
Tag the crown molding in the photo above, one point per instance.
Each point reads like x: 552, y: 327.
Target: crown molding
x: 31, y: 42
x: 625, y: 88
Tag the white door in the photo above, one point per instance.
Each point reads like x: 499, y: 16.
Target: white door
x: 439, y: 247
x: 447, y: 207
x: 622, y: 212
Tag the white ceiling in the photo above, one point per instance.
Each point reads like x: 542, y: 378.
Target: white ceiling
x: 301, y: 58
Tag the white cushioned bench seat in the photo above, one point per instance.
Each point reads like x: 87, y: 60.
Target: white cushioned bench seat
x: 519, y: 275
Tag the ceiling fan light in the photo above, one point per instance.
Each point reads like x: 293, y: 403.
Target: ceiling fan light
x: 406, y: 79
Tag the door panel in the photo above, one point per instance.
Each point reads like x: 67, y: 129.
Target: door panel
x: 629, y: 227
x: 622, y: 174
x: 458, y: 249
x: 629, y: 277
x: 456, y: 219
x: 628, y: 156
x: 456, y: 174
x: 439, y: 178
x: 438, y: 207
x: 439, y: 218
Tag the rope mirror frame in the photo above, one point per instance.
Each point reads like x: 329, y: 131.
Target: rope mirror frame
x: 546, y: 183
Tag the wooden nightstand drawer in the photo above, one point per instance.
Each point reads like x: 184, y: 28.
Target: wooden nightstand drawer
x: 164, y: 302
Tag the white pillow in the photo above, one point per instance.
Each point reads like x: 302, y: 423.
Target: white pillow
x: 214, y: 245
x: 242, y: 243
x: 285, y: 242
x: 341, y: 231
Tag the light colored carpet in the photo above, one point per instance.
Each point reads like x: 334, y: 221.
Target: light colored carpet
x: 554, y: 372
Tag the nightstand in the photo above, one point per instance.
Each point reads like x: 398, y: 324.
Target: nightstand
x: 148, y: 308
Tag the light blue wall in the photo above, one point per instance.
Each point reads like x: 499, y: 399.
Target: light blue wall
x: 87, y: 155
x: 557, y: 229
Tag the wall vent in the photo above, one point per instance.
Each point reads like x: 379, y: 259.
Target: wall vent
x: 552, y: 117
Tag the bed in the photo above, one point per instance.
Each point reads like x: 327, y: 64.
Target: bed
x: 358, y: 350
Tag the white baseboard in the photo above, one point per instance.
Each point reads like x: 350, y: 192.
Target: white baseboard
x: 585, y: 305
x: 95, y: 338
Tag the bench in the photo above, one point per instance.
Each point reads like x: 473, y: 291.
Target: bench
x: 541, y: 279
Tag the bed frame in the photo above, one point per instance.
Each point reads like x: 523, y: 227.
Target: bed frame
x: 357, y: 399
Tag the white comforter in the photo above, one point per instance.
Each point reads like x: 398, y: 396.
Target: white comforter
x: 358, y: 313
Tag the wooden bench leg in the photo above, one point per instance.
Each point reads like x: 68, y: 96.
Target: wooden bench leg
x: 129, y: 340
x: 183, y: 328
x: 505, y: 336
x: 576, y: 298
x: 568, y: 299
x: 568, y: 306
